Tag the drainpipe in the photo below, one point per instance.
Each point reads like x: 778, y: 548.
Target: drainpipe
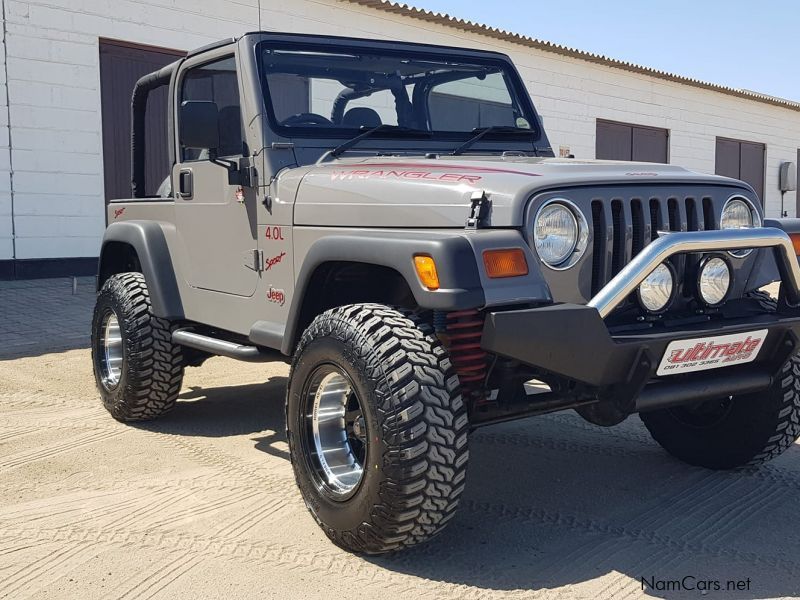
x: 8, y: 121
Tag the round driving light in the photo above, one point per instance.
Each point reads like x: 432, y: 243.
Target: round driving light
x: 739, y: 213
x: 555, y: 233
x: 655, y: 292
x: 714, y: 281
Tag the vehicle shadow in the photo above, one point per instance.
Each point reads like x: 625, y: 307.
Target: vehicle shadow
x: 554, y: 502
x: 227, y: 411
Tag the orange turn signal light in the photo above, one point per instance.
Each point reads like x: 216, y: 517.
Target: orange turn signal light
x: 508, y: 262
x: 426, y: 270
x: 795, y: 237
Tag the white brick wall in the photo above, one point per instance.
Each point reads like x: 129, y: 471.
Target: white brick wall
x: 54, y: 86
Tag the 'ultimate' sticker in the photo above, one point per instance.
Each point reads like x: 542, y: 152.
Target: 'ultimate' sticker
x: 700, y: 354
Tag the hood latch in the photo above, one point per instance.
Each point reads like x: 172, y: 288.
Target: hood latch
x: 479, y: 210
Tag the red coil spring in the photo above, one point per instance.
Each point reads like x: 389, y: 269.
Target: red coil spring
x: 464, y: 329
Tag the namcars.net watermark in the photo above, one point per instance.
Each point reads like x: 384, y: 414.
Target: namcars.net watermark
x: 692, y: 583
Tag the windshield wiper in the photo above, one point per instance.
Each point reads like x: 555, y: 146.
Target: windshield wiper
x: 482, y: 131
x: 365, y: 134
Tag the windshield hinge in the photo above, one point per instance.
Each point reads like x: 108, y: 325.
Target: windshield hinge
x: 479, y: 210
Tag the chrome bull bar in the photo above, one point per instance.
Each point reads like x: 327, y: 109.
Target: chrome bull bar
x: 669, y: 244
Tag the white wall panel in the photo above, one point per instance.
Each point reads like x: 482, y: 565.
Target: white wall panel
x: 54, y: 86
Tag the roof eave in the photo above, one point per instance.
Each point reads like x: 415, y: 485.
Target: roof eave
x: 516, y: 38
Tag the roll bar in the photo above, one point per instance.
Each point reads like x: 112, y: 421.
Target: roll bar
x: 141, y: 91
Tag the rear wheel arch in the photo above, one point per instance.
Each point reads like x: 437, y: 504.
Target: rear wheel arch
x: 117, y: 257
x: 141, y: 247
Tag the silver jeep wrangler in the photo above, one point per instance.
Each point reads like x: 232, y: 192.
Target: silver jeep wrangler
x: 389, y: 218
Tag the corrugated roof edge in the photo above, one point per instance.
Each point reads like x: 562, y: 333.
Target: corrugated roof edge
x: 516, y: 38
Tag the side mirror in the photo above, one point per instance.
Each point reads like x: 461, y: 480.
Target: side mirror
x: 199, y: 124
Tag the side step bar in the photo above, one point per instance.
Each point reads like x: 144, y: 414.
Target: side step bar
x: 191, y: 339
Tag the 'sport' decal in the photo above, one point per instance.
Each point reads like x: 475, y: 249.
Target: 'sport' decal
x: 271, y: 262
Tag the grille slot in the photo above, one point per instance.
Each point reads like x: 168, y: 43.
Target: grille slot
x: 692, y: 260
x: 637, y: 227
x: 618, y: 239
x: 708, y: 214
x: 674, y: 217
x: 656, y: 223
x: 691, y: 216
x: 598, y: 245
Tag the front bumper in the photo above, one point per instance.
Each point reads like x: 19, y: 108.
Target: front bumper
x: 573, y: 341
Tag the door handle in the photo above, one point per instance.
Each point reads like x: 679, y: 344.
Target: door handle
x: 185, y: 184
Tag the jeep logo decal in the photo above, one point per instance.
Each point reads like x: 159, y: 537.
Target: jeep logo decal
x: 276, y: 296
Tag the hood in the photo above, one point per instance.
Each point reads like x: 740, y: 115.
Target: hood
x: 436, y: 192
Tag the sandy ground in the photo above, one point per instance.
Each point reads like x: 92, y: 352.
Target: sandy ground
x: 202, y: 504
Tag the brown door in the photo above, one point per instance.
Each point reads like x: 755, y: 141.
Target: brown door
x: 121, y: 65
x: 613, y: 141
x: 650, y: 145
x: 622, y: 141
x: 742, y: 160
x: 727, y: 158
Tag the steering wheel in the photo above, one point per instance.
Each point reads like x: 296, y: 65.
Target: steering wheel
x: 306, y: 119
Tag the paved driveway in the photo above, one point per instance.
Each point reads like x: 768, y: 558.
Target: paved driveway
x: 202, y: 504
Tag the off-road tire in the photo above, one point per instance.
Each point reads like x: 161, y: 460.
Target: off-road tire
x: 754, y: 428
x: 152, y: 366
x: 417, y: 454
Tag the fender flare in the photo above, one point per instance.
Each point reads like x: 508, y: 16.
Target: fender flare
x: 148, y: 240
x: 455, y: 262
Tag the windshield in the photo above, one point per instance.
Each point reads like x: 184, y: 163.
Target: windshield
x: 327, y: 94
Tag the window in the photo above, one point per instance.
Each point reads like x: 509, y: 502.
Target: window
x: 741, y: 160
x: 291, y: 94
x: 623, y: 141
x: 217, y: 82
x: 322, y: 93
x: 467, y: 104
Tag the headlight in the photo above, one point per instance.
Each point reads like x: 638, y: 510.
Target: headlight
x: 655, y: 292
x: 739, y: 213
x: 560, y: 233
x: 714, y: 281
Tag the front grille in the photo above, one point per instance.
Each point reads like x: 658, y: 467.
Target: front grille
x: 622, y: 229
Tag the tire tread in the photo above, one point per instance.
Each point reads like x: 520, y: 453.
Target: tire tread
x: 154, y: 365
x: 423, y: 419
